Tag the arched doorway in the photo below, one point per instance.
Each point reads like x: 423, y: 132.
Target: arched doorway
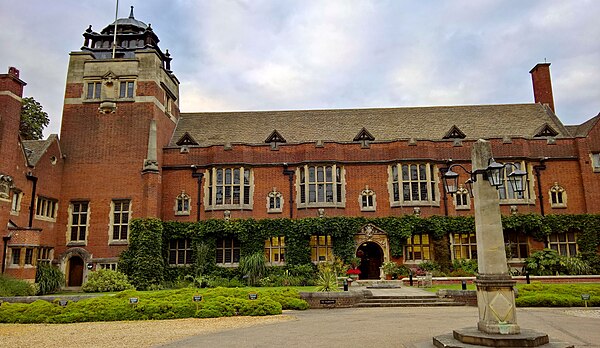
x: 75, y: 271
x: 371, y: 258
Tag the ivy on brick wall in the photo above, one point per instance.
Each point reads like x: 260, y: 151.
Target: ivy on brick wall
x: 297, y: 232
x: 143, y: 262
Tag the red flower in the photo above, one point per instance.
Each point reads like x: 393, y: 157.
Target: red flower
x: 353, y: 271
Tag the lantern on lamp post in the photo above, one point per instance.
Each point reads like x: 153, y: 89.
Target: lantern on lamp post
x: 497, y: 325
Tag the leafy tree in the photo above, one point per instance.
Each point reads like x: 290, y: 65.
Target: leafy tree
x: 33, y: 119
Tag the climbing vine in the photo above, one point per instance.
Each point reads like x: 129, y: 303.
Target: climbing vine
x: 297, y: 232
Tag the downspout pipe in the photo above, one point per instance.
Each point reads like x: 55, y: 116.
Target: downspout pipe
x: 444, y: 194
x: 34, y: 180
x: 5, y: 239
x: 290, y: 173
x: 199, y: 176
x: 537, y: 170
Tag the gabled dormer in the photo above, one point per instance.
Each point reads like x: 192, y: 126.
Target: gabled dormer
x: 364, y: 137
x: 546, y: 131
x: 454, y: 133
x: 274, y: 139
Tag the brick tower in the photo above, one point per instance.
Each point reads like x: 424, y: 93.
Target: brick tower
x: 120, y: 109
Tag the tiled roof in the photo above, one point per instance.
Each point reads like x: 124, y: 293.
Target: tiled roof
x: 583, y: 129
x: 385, y: 124
x: 35, y: 149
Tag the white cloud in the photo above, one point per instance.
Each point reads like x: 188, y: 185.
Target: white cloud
x: 290, y: 54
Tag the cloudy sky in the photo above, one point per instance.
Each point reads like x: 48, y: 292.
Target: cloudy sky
x: 308, y: 54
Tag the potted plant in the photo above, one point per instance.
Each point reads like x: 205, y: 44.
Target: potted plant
x: 353, y: 273
x: 389, y: 269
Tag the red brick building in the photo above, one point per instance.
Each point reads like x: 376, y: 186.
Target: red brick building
x: 125, y: 151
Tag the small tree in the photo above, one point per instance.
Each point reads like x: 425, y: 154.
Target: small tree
x: 33, y: 119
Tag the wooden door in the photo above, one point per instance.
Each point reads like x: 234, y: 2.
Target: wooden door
x: 75, y: 271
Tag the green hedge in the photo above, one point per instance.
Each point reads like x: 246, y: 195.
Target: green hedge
x: 15, y: 287
x: 170, y: 304
x: 557, y: 295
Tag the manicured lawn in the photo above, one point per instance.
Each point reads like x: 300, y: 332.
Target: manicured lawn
x: 537, y: 294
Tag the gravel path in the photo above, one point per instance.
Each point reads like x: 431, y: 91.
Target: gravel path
x: 122, y: 333
x: 584, y: 313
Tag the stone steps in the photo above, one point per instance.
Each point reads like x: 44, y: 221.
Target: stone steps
x: 406, y: 301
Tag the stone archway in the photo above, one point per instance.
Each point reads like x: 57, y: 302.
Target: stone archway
x: 73, y: 264
x: 373, y: 244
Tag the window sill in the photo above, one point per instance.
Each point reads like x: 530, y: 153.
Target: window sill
x: 321, y: 205
x: 275, y: 263
x: 228, y: 207
x: 368, y: 209
x: 415, y: 204
x: 77, y: 243
x: 118, y: 242
x: 463, y: 208
x: 182, y: 213
x: 275, y: 211
x: 14, y: 213
x: 180, y: 265
x: 43, y: 218
x: 558, y: 206
x: 517, y: 202
x: 228, y: 265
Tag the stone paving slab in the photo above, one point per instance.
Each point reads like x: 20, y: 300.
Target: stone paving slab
x: 409, y: 327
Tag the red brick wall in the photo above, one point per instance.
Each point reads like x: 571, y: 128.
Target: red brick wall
x: 370, y: 167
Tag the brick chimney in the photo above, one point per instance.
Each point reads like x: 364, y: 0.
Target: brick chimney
x: 542, y: 86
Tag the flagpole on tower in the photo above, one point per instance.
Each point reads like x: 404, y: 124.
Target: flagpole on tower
x: 115, y: 34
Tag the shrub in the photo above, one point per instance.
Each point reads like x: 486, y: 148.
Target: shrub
x: 214, y: 282
x: 574, y: 266
x: 168, y: 304
x: 592, y: 259
x: 326, y: 280
x: 389, y: 268
x: 543, y: 262
x: 464, y: 267
x: 306, y: 273
x: 429, y: 266
x: 49, y: 279
x: 106, y: 280
x: 15, y: 287
x: 253, y: 267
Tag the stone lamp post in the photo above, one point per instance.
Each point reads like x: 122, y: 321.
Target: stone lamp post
x: 497, y: 325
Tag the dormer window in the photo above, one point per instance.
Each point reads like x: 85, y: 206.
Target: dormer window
x: 126, y: 89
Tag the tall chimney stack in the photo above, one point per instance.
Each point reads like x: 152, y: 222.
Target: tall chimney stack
x: 542, y: 86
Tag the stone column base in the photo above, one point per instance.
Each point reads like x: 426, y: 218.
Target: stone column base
x: 496, y: 302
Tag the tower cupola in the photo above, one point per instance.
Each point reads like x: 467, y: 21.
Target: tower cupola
x: 132, y: 34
